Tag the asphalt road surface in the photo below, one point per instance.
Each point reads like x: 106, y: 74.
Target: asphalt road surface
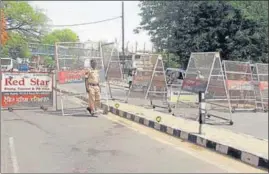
x: 38, y: 141
x: 244, y: 122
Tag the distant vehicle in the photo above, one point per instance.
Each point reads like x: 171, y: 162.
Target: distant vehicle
x: 175, y: 76
x: 24, y: 67
x: 9, y: 64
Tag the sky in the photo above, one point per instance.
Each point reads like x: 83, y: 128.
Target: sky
x: 73, y: 12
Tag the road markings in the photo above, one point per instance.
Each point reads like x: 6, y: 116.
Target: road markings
x: 13, y: 155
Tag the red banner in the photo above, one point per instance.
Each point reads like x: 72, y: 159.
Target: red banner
x: 239, y: 85
x: 194, y: 85
x: 76, y: 76
x: 11, y: 100
x: 263, y: 85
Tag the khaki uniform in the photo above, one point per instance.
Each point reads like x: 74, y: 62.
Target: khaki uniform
x: 94, y: 89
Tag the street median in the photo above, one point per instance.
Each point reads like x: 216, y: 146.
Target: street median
x: 245, y: 148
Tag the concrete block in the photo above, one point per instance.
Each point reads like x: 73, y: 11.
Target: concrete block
x: 128, y: 116
x: 184, y: 135
x: 157, y: 126
x: 146, y: 122
x: 136, y: 119
x: 170, y: 130
x: 250, y: 159
x: 222, y: 148
x: 201, y: 141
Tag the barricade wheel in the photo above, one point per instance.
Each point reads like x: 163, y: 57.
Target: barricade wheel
x: 153, y: 107
x: 254, y: 110
x: 10, y: 109
x: 43, y: 108
x: 169, y: 110
x: 232, y: 110
x: 231, y: 122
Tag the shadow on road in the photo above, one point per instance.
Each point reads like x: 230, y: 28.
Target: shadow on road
x: 69, y: 113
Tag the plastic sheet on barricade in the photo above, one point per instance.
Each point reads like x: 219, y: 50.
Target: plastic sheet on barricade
x: 73, y: 60
x: 204, y: 73
x: 27, y: 90
x: 240, y: 85
x: 260, y: 78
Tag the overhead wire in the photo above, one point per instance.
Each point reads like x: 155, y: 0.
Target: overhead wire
x: 88, y: 23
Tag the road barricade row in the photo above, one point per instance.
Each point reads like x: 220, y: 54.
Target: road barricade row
x: 242, y: 147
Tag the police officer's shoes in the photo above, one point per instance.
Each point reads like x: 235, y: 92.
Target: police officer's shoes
x: 89, y: 109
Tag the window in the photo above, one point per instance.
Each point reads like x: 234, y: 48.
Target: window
x: 5, y: 61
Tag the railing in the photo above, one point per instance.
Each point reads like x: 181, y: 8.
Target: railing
x: 41, y: 49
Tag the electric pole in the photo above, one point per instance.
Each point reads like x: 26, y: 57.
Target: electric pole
x: 122, y: 34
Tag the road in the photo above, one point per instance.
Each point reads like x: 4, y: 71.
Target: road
x: 243, y: 122
x: 38, y: 141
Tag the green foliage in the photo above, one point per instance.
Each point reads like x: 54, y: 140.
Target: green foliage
x: 49, y: 62
x: 25, y: 20
x: 16, y: 47
x: 255, y: 10
x: 65, y: 35
x: 182, y: 27
x: 24, y: 24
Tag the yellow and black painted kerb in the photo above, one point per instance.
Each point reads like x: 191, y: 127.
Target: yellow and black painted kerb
x: 251, y: 159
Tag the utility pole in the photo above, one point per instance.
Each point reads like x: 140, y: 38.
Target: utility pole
x: 122, y: 34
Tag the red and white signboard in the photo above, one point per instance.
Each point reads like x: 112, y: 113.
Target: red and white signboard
x: 26, y: 82
x: 31, y: 89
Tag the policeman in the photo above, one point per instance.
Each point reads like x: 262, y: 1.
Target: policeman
x: 93, y: 88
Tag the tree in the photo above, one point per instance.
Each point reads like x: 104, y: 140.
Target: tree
x: 49, y: 62
x: 182, y: 27
x: 24, y: 24
x: 256, y: 10
x: 3, y: 34
x: 65, y: 35
x: 25, y: 20
x: 16, y: 47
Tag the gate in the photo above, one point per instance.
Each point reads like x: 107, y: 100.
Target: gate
x: 73, y: 60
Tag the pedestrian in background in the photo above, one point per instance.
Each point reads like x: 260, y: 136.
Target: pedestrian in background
x: 130, y: 78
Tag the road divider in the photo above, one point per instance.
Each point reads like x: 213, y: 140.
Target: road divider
x: 247, y: 149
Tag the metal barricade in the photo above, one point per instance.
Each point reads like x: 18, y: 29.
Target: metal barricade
x: 205, y: 74
x: 146, y: 83
x: 260, y: 78
x: 73, y: 60
x: 27, y: 90
x: 117, y: 85
x: 240, y: 85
